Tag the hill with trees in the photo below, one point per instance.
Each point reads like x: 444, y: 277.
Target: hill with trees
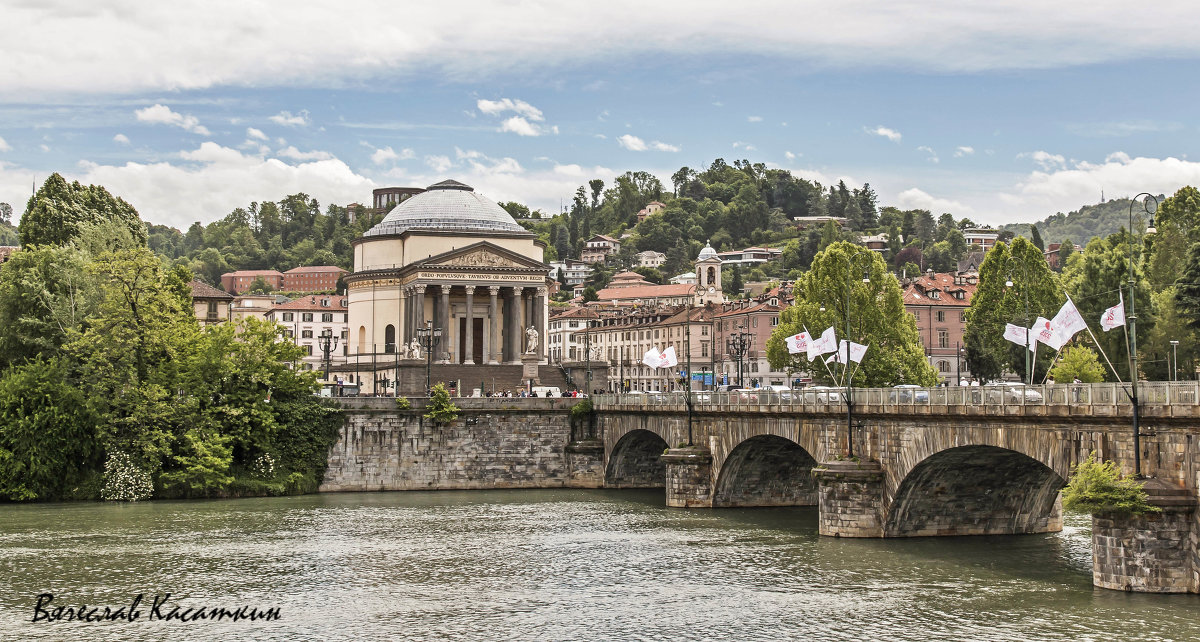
x: 1082, y: 225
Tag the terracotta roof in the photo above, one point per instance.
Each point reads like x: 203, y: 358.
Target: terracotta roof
x: 762, y: 306
x: 646, y: 291
x: 253, y: 273
x: 315, y: 268
x: 336, y: 303
x: 576, y: 312
x: 202, y: 290
x: 918, y: 291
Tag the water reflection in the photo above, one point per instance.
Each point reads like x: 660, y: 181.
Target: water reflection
x: 567, y: 564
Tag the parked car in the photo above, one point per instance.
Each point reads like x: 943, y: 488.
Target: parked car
x: 908, y: 393
x: 1010, y: 392
x: 746, y: 394
x: 822, y: 394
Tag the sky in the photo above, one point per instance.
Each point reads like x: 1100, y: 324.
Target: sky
x: 1003, y: 112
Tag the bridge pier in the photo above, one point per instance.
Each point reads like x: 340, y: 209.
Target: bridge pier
x: 850, y: 498
x: 1152, y: 553
x: 689, y: 477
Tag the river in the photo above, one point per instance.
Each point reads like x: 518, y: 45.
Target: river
x: 549, y: 565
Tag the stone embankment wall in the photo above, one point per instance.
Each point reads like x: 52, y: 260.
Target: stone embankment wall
x: 495, y: 443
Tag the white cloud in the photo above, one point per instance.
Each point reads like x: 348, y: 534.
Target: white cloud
x: 160, y: 114
x: 745, y: 146
x: 635, y: 144
x: 381, y: 156
x: 754, y: 119
x: 287, y: 119
x: 914, y: 198
x: 961, y: 151
x: 256, y: 134
x: 119, y: 138
x: 439, y: 163
x: 932, y: 155
x: 520, y: 127
x: 214, y: 180
x: 1045, y: 160
x: 185, y: 47
x: 520, y: 107
x: 790, y: 155
x: 1065, y: 189
x: 578, y: 171
x: 44, y: 147
x: 4, y: 146
x: 295, y: 154
x: 887, y: 133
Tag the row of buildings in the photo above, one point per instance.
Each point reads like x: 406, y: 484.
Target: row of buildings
x: 309, y: 278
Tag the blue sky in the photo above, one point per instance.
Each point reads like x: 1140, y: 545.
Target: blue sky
x: 1005, y: 112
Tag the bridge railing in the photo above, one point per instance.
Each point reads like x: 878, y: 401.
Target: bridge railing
x: 1158, y: 393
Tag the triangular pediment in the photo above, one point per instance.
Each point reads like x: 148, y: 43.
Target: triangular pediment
x: 482, y: 255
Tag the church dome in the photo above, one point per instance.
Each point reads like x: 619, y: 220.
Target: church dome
x: 448, y: 206
x: 707, y: 253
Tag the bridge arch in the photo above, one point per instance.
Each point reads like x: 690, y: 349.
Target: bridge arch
x: 635, y: 461
x: 766, y: 470
x: 976, y: 490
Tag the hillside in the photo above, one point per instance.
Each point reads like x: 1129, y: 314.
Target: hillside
x: 1083, y: 224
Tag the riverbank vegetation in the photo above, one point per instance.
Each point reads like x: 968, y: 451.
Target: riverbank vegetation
x: 109, y: 387
x: 1097, y: 487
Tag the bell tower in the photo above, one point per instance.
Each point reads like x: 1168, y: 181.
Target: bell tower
x: 708, y: 276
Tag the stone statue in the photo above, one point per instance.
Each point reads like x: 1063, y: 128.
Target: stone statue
x: 414, y: 350
x: 531, y: 340
x: 597, y: 353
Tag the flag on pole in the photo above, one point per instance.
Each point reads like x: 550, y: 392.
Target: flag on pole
x: 1019, y: 335
x: 857, y: 351
x: 667, y: 359
x: 798, y: 343
x: 1067, y: 322
x: 854, y: 350
x: 652, y: 357
x: 827, y: 343
x: 1045, y: 332
x: 1114, y: 317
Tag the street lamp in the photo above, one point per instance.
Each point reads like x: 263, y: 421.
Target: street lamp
x: 1029, y: 365
x: 738, y: 344
x: 328, y: 343
x: 1175, y: 354
x: 851, y: 263
x: 429, y: 338
x: 1133, y: 367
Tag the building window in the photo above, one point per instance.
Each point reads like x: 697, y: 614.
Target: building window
x: 943, y: 366
x: 306, y: 317
x: 962, y: 317
x: 941, y: 316
x: 774, y: 321
x: 943, y: 339
x: 306, y: 334
x: 704, y: 348
x: 288, y: 316
x: 327, y: 317
x: 308, y: 349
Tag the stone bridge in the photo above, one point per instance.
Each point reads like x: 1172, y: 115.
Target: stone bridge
x: 942, y: 461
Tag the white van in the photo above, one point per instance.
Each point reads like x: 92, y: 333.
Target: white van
x: 547, y: 391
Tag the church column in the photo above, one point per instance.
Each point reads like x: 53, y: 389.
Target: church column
x: 539, y: 319
x: 512, y: 323
x: 406, y: 321
x: 444, y: 323
x: 419, y: 309
x: 494, y: 348
x: 469, y: 341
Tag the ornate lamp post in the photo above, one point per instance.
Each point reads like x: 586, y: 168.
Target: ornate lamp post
x: 328, y: 343
x: 429, y: 338
x: 851, y: 263
x: 1133, y: 364
x: 738, y: 344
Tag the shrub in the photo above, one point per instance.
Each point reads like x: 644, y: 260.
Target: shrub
x: 124, y: 481
x: 1098, y: 487
x: 264, y: 466
x: 402, y: 403
x: 581, y: 409
x: 441, y: 409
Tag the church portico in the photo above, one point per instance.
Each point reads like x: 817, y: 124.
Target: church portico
x: 453, y: 262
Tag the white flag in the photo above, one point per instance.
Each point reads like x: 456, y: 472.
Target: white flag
x: 798, y: 343
x: 1067, y: 322
x: 857, y: 351
x: 1114, y: 317
x: 667, y: 359
x: 1045, y: 332
x: 1019, y: 335
x: 652, y: 357
x: 827, y: 343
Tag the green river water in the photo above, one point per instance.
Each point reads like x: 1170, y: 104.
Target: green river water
x: 548, y: 565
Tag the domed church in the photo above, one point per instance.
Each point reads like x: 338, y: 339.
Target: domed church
x: 446, y: 259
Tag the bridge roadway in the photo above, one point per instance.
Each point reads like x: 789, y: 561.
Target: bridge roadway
x: 926, y: 462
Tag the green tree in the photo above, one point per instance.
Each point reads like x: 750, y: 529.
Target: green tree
x: 589, y: 294
x: 6, y: 214
x: 47, y: 435
x: 1035, y: 237
x: 1094, y: 278
x: 59, y: 211
x: 877, y: 319
x: 995, y: 304
x: 46, y: 294
x: 260, y: 286
x: 1078, y: 362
